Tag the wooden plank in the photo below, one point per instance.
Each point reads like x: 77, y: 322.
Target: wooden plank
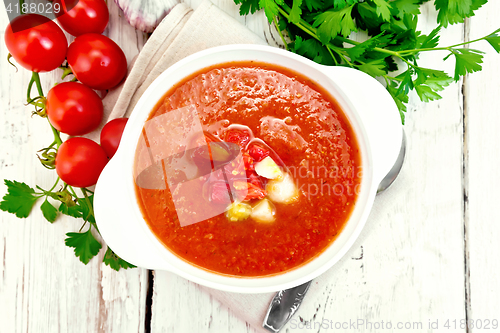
x: 408, y: 264
x: 43, y: 287
x: 482, y: 182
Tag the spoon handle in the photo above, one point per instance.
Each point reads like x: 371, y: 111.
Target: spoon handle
x: 283, y: 307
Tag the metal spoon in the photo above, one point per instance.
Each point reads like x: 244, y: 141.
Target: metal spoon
x: 286, y: 302
x: 396, y: 168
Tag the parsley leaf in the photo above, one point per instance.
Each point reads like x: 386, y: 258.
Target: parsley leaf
x: 455, y: 11
x: 270, y: 7
x: 19, y: 199
x: 296, y: 12
x: 429, y: 82
x: 248, y: 6
x: 49, y: 211
x: 467, y: 61
x: 85, y: 244
x: 357, y: 52
x: 314, y: 5
x: 74, y: 211
x: 402, y: 7
x: 374, y: 68
x: 334, y: 22
x: 367, y: 18
x: 437, y: 80
x: 112, y: 260
x: 87, y: 211
x: 494, y: 40
x: 383, y: 9
x: 312, y: 49
x: 339, y: 4
x: 406, y: 82
x: 401, y: 99
x: 429, y: 41
x: 426, y: 94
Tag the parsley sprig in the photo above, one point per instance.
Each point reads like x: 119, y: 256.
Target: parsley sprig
x: 320, y: 30
x: 21, y: 198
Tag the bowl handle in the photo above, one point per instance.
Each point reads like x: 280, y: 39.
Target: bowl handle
x: 115, y: 220
x: 378, y: 113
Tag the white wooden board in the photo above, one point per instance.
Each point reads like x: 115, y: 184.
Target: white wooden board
x: 44, y: 287
x: 409, y: 266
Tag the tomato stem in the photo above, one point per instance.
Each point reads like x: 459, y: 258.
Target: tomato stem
x: 57, y: 136
x: 36, y: 78
x: 30, y: 86
x: 9, y: 56
x: 72, y: 191
x: 23, y: 10
x: 66, y: 71
x: 39, y: 101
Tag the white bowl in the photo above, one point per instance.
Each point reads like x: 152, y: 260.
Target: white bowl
x: 369, y: 108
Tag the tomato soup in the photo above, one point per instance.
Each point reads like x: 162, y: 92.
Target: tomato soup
x: 302, y: 171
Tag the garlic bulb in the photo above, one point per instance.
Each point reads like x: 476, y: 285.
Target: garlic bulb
x: 145, y: 15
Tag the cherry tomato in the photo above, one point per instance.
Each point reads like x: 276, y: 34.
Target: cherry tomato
x: 248, y: 162
x: 257, y: 152
x: 80, y: 17
x: 73, y: 108
x: 36, y: 43
x: 254, y: 192
x: 254, y: 178
x: 79, y: 162
x: 111, y: 135
x: 97, y: 61
x: 237, y: 136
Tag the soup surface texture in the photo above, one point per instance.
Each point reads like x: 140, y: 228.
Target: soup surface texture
x: 303, y: 128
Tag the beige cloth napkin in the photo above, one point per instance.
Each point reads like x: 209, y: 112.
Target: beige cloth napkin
x: 181, y: 33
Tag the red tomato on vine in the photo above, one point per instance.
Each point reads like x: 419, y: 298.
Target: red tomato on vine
x: 73, y: 108
x: 80, y: 161
x: 80, y: 17
x: 111, y: 135
x: 36, y: 43
x: 97, y: 61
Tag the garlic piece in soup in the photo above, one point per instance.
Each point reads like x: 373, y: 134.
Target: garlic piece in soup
x: 267, y: 168
x: 282, y: 190
x: 263, y: 211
